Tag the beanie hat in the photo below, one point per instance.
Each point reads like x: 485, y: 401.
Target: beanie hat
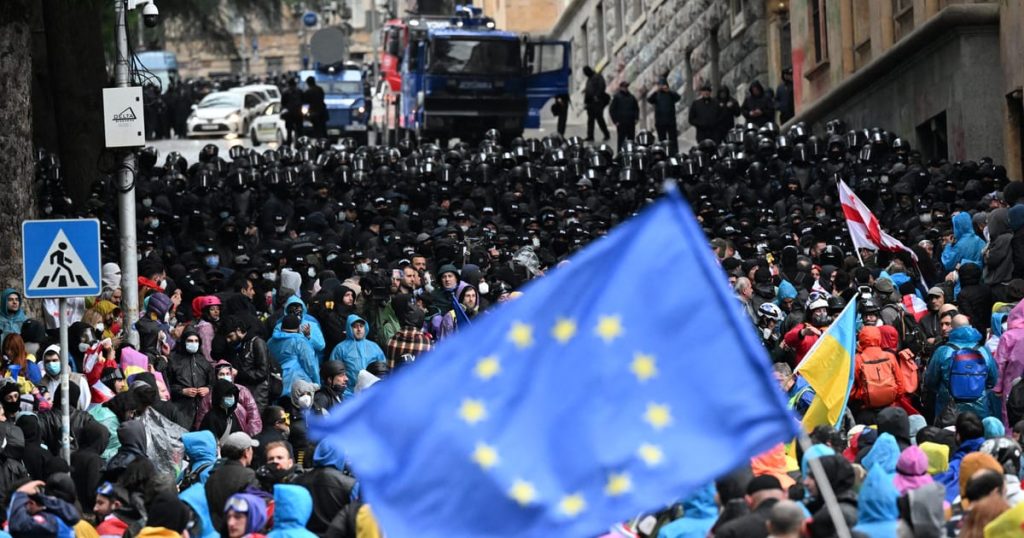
x: 290, y: 323
x: 167, y: 511
x: 159, y: 303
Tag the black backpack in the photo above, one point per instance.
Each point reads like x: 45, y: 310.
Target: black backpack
x: 911, y: 335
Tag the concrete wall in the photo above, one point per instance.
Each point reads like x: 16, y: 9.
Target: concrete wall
x: 657, y: 38
x: 960, y: 75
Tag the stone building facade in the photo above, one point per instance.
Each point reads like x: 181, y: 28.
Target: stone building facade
x: 534, y: 17
x: 721, y: 42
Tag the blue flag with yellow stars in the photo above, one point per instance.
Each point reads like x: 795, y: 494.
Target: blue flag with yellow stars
x: 616, y: 384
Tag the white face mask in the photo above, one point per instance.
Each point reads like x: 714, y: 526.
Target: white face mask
x: 270, y: 276
x: 83, y: 347
x: 99, y: 327
x: 163, y: 284
x: 192, y: 347
x: 484, y: 288
x: 305, y: 401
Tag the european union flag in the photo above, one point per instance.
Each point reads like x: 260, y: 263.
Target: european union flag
x: 617, y: 384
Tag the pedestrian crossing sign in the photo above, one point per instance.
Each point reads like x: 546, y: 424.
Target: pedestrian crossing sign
x: 60, y: 258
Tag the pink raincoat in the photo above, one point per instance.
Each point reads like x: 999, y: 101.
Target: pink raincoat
x: 1009, y: 355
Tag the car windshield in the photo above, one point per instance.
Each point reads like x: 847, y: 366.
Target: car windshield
x: 347, y: 87
x: 474, y: 57
x: 217, y: 100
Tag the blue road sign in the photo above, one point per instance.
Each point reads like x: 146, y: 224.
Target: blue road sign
x: 309, y: 19
x: 60, y: 258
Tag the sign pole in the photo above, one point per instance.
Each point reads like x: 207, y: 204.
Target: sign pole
x: 126, y: 176
x: 65, y: 375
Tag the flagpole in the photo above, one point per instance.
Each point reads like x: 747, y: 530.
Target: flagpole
x: 825, y: 488
x: 857, y: 250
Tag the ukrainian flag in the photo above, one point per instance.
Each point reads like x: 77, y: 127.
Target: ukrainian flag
x: 828, y: 368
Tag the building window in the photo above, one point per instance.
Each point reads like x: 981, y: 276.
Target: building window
x: 599, y: 28
x: 819, y: 30
x: 737, y: 14
x: 275, y: 64
x: 861, y: 34
x: 902, y: 18
x: 785, y: 41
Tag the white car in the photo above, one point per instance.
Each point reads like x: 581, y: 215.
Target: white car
x: 269, y: 90
x: 268, y: 126
x: 223, y: 113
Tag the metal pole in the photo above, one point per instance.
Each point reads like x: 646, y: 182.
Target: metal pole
x: 825, y: 488
x: 65, y: 375
x: 126, y: 196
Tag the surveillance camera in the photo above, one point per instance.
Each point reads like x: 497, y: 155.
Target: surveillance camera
x: 150, y: 14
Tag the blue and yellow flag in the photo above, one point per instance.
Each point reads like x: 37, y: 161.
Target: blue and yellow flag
x: 619, y: 383
x: 828, y: 368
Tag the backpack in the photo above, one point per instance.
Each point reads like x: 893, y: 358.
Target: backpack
x: 967, y: 374
x: 911, y: 335
x: 909, y: 369
x: 194, y: 475
x: 878, y: 378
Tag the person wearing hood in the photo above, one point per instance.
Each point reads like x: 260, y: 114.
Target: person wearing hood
x: 330, y: 486
x: 974, y: 298
x: 301, y: 403
x: 245, y: 515
x: 966, y: 391
x: 37, y: 458
x: 294, y: 352
x: 1015, y: 215
x: 964, y: 245
x: 292, y: 508
x: 877, y: 380
x: 132, y: 435
x: 206, y: 314
x: 223, y: 418
x: 86, y: 462
x: 246, y: 414
x: 356, y: 352
x: 699, y: 515
x: 12, y: 312
x: 841, y: 476
x: 201, y: 451
x: 464, y: 310
x: 154, y: 333
x: 168, y: 517
x: 911, y: 470
x: 969, y: 436
x: 1009, y: 355
x: 895, y: 422
x: 190, y: 375
x: 333, y: 387
x: 758, y: 107
x: 51, y: 378
x: 878, y: 512
x: 195, y: 497
x: 251, y: 360
x: 309, y: 326
x: 762, y: 493
x: 998, y: 254
x: 885, y: 453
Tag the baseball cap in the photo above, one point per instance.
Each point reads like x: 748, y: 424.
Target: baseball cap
x: 936, y: 291
x: 240, y: 441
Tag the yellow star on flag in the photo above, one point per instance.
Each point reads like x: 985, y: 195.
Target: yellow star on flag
x: 486, y: 456
x: 651, y: 454
x: 487, y: 367
x: 472, y: 411
x: 572, y: 505
x: 609, y: 328
x: 618, y: 483
x: 643, y: 367
x: 658, y: 415
x: 522, y: 492
x: 564, y: 330
x: 521, y: 335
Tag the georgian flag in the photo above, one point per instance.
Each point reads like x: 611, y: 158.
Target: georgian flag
x: 865, y: 231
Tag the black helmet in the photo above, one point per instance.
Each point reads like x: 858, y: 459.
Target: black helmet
x: 870, y: 306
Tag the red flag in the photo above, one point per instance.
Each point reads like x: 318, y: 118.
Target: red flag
x: 865, y: 231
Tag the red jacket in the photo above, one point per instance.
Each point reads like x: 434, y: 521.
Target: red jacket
x: 800, y: 344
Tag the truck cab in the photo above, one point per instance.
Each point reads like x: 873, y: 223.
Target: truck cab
x: 462, y: 76
x: 344, y: 95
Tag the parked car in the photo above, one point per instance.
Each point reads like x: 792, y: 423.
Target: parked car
x: 268, y: 126
x: 223, y: 113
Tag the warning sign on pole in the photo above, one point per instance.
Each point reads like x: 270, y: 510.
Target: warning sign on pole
x: 61, y: 258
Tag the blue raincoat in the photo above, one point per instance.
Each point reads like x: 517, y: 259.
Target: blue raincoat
x: 201, y: 449
x: 316, y: 335
x: 699, y: 514
x: 195, y: 498
x: 878, y: 514
x: 295, y: 354
x: 292, y: 507
x: 966, y: 247
x: 936, y: 377
x: 356, y: 354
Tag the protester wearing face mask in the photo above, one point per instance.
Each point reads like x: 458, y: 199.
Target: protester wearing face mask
x: 294, y: 353
x: 802, y: 337
x: 332, y: 390
x: 223, y: 417
x: 206, y: 309
x: 51, y: 378
x: 247, y: 411
x: 301, y: 402
x: 189, y: 375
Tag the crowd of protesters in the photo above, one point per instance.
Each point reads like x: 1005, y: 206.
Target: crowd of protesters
x: 280, y: 284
